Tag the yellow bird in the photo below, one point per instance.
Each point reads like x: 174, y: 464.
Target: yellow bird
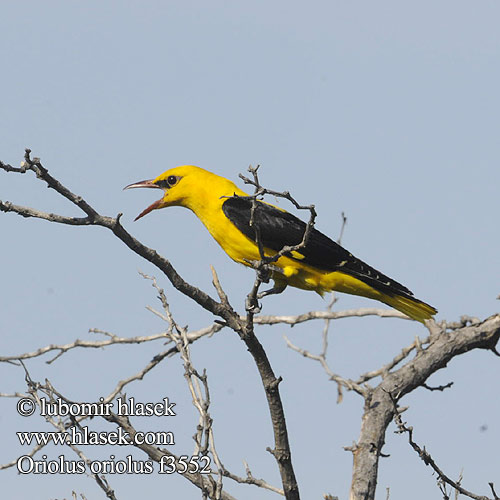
x: 322, y: 265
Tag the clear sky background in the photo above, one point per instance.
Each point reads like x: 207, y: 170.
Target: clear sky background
x: 388, y: 111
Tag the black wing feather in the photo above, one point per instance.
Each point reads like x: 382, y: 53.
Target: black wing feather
x: 278, y: 228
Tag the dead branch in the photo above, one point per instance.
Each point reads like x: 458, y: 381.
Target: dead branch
x: 113, y: 340
x: 427, y: 458
x: 250, y: 479
x: 321, y: 358
x: 379, y: 407
x: 445, y: 341
x: 222, y: 309
x: 348, y: 313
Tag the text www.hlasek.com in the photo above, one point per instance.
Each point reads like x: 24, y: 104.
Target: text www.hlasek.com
x: 85, y: 436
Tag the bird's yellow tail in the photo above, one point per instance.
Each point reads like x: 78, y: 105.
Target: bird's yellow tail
x: 414, y: 308
x: 397, y: 298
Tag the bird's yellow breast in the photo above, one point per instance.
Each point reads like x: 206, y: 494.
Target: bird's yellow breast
x: 244, y: 250
x: 208, y: 208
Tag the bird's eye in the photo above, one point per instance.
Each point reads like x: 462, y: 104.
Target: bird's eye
x: 167, y: 183
x: 172, y: 180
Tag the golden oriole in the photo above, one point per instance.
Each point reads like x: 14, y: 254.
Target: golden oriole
x: 322, y: 265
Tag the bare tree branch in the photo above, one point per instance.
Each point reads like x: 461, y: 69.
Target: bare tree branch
x: 259, y: 193
x: 281, y: 451
x: 97, y: 344
x: 59, y: 424
x: 200, y: 399
x: 438, y: 388
x: 113, y: 224
x: 250, y: 479
x: 445, y: 341
x: 348, y: 313
x: 223, y: 309
x: 492, y: 487
x: 379, y: 408
x: 342, y: 227
x: 321, y: 358
x: 203, y: 481
x: 427, y: 458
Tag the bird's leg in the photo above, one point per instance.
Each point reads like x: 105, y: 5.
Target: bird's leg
x: 279, y: 287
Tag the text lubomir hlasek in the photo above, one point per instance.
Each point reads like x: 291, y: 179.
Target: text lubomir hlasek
x: 122, y: 406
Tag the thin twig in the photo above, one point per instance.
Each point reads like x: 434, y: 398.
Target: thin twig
x: 439, y: 387
x: 250, y: 479
x: 426, y: 456
x: 320, y: 358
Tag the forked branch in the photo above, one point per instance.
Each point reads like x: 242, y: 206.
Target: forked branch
x: 221, y: 309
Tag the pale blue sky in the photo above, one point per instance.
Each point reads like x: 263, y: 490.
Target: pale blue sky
x: 388, y: 111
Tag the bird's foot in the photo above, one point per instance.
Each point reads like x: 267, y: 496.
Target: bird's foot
x: 275, y: 290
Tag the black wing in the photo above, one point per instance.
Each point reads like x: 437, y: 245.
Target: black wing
x: 278, y: 228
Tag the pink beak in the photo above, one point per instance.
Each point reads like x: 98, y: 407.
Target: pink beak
x: 146, y: 184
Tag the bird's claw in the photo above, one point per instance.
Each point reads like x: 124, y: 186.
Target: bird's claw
x: 275, y: 290
x: 252, y: 305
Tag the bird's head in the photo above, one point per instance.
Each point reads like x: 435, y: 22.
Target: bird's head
x: 187, y: 186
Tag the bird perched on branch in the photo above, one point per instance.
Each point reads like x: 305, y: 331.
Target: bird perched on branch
x: 239, y: 224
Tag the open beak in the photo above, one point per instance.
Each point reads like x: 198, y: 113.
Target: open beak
x: 146, y: 184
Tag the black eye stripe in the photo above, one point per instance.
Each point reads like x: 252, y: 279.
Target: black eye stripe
x: 170, y: 181
x: 162, y: 184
